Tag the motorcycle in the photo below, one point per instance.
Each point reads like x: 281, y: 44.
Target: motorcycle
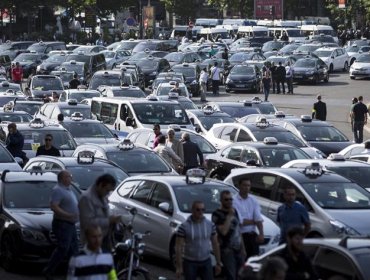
x: 128, y: 252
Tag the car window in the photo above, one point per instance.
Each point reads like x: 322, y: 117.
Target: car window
x: 249, y: 154
x: 243, y: 136
x: 234, y: 153
x: 160, y: 194
x: 229, y: 133
x: 354, y: 151
x: 125, y: 189
x: 48, y: 109
x: 108, y: 113
x: 141, y: 193
x: 217, y: 131
x: 262, y: 184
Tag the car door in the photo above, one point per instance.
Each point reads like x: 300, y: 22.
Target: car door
x: 232, y: 158
x: 228, y: 135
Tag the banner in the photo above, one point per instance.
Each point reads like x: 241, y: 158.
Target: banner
x: 148, y: 17
x: 262, y: 9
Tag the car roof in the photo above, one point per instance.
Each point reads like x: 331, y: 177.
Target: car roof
x: 48, y: 127
x: 67, y: 105
x: 70, y: 120
x: 261, y: 144
x: 328, y: 162
x: 113, y: 147
x: 73, y: 161
x: 200, y: 113
x: 299, y: 122
x: 20, y: 176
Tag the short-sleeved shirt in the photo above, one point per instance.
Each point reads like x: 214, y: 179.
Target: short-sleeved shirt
x: 359, y: 111
x: 41, y: 151
x: 249, y: 209
x: 197, y: 239
x: 291, y: 216
x: 66, y: 199
x: 17, y: 73
x: 232, y: 239
x: 215, y: 73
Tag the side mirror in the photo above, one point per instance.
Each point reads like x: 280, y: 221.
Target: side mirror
x: 197, y: 128
x: 133, y: 211
x: 129, y: 122
x: 165, y: 207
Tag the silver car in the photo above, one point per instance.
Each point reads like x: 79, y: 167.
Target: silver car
x: 164, y: 202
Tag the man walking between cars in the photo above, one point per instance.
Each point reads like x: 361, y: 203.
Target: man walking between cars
x: 191, y: 153
x: 167, y: 153
x: 64, y: 204
x: 280, y: 77
x: 359, y: 117
x: 215, y: 77
x: 292, y: 214
x: 319, y: 109
x: 231, y: 243
x: 193, y: 246
x: 250, y: 217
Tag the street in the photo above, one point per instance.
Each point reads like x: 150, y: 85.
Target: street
x: 337, y: 94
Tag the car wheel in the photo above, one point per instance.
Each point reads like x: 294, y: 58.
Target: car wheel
x: 8, y: 253
x: 352, y: 78
x: 345, y: 68
x: 227, y: 90
x: 331, y: 68
x: 314, y: 235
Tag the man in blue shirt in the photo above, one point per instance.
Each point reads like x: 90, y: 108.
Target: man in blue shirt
x: 292, y: 214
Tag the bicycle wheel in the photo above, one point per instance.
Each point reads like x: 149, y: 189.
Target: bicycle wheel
x: 137, y: 274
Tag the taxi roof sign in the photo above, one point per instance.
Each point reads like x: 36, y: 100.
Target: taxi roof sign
x: 270, y: 141
x: 279, y: 114
x: 261, y: 121
x: 256, y: 99
x: 85, y: 157
x: 306, y: 118
x: 37, y: 123
x: 336, y: 157
x: 208, y: 110
x: 195, y: 173
x: 77, y: 116
x: 314, y: 169
x: 126, y: 144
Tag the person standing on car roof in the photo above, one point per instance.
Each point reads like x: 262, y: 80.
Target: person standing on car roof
x: 191, y: 153
x: 319, y: 109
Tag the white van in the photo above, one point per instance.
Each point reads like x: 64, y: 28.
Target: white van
x: 211, y: 34
x: 311, y: 29
x: 254, y: 31
x: 294, y: 34
x: 122, y: 115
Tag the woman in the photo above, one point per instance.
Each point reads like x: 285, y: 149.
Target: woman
x: 266, y: 81
x: 175, y: 145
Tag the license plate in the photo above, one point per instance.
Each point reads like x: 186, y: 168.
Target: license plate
x: 239, y: 86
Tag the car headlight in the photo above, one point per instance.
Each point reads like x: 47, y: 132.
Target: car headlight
x: 276, y: 239
x: 38, y: 68
x: 310, y: 72
x: 342, y: 229
x: 33, y: 234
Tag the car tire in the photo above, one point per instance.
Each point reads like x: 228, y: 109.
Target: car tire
x: 326, y: 80
x: 352, y: 60
x: 331, y: 68
x: 316, y: 80
x: 345, y: 67
x: 352, y: 78
x: 8, y: 253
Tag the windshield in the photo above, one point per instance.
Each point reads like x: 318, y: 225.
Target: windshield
x: 78, y: 68
x: 127, y: 45
x: 276, y: 157
x: 139, y: 161
x: 269, y: 46
x: 186, y: 71
x: 306, y: 48
x: 108, y: 54
x: 323, y: 53
x: 78, y: 57
x: 5, y: 47
x: 112, y: 80
x: 47, y: 84
x: 85, y: 176
x: 208, y: 193
x: 5, y: 156
x: 144, y: 45
x: 56, y: 58
x: 27, y: 107
x: 362, y: 255
x: 266, y: 108
x: 238, y: 111
x: 305, y: 63
x: 33, y: 138
x: 363, y: 58
x: 289, y: 48
x: 88, y: 130
x: 138, y: 56
x: 79, y: 96
x: 86, y: 112
x: 282, y: 137
x: 23, y: 57
x: 15, y: 117
x: 294, y: 33
x: 238, y: 57
x: 164, y: 90
x: 65, y: 76
x: 243, y: 70
x: 222, y: 35
x: 187, y: 104
x: 358, y: 174
x: 338, y: 195
x: 353, y: 48
x: 260, y: 33
x: 174, y: 57
x: 209, y: 121
x: 147, y: 64
x: 30, y: 195
x: 322, y: 134
x: 128, y: 93
x: 161, y: 113
x: 37, y: 48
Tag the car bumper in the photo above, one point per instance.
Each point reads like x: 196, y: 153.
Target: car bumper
x: 303, y: 77
x: 241, y: 86
x: 360, y: 73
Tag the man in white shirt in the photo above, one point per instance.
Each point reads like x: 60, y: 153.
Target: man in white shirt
x: 203, y: 79
x: 250, y: 217
x: 289, y: 77
x: 167, y: 153
x: 215, y: 76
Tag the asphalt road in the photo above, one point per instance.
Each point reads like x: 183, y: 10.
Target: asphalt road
x: 337, y: 94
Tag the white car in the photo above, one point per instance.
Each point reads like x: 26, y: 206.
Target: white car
x: 163, y: 89
x: 355, y: 51
x: 361, y: 67
x: 352, y: 150
x: 335, y: 58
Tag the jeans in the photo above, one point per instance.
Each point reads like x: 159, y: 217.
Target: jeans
x: 67, y: 244
x: 358, y: 131
x: 252, y: 248
x: 266, y: 91
x: 194, y: 269
x: 289, y: 82
x: 273, y: 85
x: 215, y: 85
x: 203, y: 91
x: 280, y: 81
x: 232, y: 261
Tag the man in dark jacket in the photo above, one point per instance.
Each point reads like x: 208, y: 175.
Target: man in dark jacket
x: 280, y: 77
x: 191, y: 153
x: 319, y: 110
x: 14, y: 141
x: 273, y: 76
x: 48, y: 149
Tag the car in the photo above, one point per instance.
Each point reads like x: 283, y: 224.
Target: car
x: 191, y: 73
x: 151, y: 66
x: 310, y: 69
x: 127, y: 44
x: 334, y: 57
x: 361, y: 157
x: 25, y: 217
x: 254, y: 117
x: 361, y: 67
x: 10, y: 95
x: 268, y: 153
x: 336, y: 205
x: 160, y: 80
x: 121, y: 91
x: 93, y: 62
x: 273, y: 45
x: 10, y: 88
x: 240, y: 57
x: 222, y: 64
x: 144, y: 54
x: 184, y: 102
x: 205, y: 118
x: 284, y: 59
x: 80, y: 68
x: 134, y: 159
x: 88, y: 131
x: 34, y: 135
x: 354, y: 51
x: 78, y: 94
x: 51, y: 63
x: 41, y: 86
x: 89, y: 49
x: 354, y: 149
x: 138, y: 75
x: 182, y: 57
x: 163, y: 89
x: 46, y: 47
x: 353, y: 169
x: 65, y: 76
x: 345, y: 258
x: 243, y: 78
x: 164, y: 202
x: 306, y: 49
x: 85, y: 169
x: 105, y: 77
x: 221, y: 135
x: 51, y: 110
x: 288, y: 49
x: 9, y: 115
x: 113, y: 58
x: 12, y: 49
x: 29, y: 106
x: 319, y: 134
x: 7, y: 161
x: 29, y: 62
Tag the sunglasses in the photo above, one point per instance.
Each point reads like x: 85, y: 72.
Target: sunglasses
x: 200, y: 209
x: 48, y: 139
x: 228, y: 199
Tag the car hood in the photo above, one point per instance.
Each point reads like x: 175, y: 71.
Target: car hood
x: 352, y: 218
x: 242, y: 77
x: 330, y: 147
x: 302, y: 69
x: 48, y: 66
x: 361, y: 65
x: 98, y: 140
x: 39, y: 219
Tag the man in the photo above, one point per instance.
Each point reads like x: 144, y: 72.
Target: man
x: 64, y: 204
x: 167, y: 153
x: 359, y: 116
x: 229, y: 236
x: 289, y: 77
x: 15, y: 141
x: 94, y: 209
x: 174, y: 144
x: 215, y: 76
x: 225, y: 54
x: 75, y: 82
x: 48, y: 149
x: 176, y: 88
x: 191, y: 153
x: 17, y: 74
x: 319, y: 109
x: 280, y: 77
x: 273, y: 76
x: 212, y: 51
x: 92, y: 263
x: 203, y: 80
x: 299, y: 265
x: 157, y: 133
x: 193, y: 252
x: 292, y: 214
x: 250, y: 217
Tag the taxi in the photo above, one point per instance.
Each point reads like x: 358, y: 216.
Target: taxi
x: 9, y: 115
x: 310, y: 69
x: 191, y: 72
x: 51, y: 110
x: 185, y: 102
x: 121, y: 91
x: 41, y: 86
x: 104, y: 77
x: 164, y: 88
x: 78, y: 94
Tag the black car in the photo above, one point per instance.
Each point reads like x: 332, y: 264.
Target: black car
x: 151, y: 66
x: 311, y: 70
x: 138, y: 75
x: 182, y: 57
x: 191, y: 73
x: 29, y: 62
x: 240, y: 57
x: 80, y: 68
x: 273, y: 45
x: 46, y: 47
x: 243, y: 78
x: 25, y: 217
x: 234, y: 109
x: 51, y: 63
x: 12, y: 49
x: 93, y: 61
x: 156, y: 45
x: 268, y: 153
x: 140, y: 55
